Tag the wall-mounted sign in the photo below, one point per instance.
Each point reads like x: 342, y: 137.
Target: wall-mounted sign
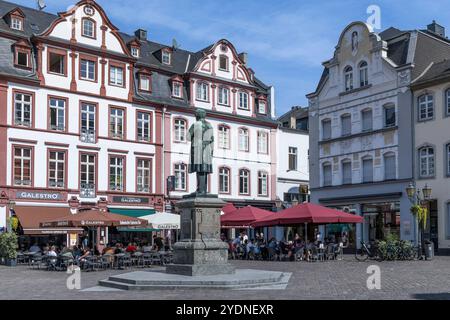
x: 52, y: 196
x: 134, y: 200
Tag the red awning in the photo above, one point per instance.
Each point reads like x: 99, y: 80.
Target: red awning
x: 94, y: 218
x: 243, y: 217
x: 229, y: 208
x: 307, y: 213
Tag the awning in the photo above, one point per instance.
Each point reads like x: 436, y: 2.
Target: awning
x: 136, y: 213
x: 243, y: 217
x: 31, y: 217
x: 164, y: 221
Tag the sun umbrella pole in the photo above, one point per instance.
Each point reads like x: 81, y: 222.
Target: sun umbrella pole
x: 306, y: 232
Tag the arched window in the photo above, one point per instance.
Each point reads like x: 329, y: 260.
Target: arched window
x: 366, y: 117
x: 363, y: 74
x: 327, y: 174
x: 202, y: 91
x: 224, y: 96
x: 224, y: 180
x: 244, y: 139
x: 88, y: 28
x: 224, y: 137
x: 367, y: 168
x: 180, y: 126
x: 348, y: 77
x: 244, y: 182
x: 426, y: 107
x: 426, y: 162
x: 263, y: 184
x: 390, y: 166
x: 346, y: 171
x: 223, y: 62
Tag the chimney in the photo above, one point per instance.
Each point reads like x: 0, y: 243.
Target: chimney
x: 244, y: 57
x: 436, y: 29
x: 141, y: 34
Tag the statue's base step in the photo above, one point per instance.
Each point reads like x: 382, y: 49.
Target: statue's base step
x: 200, y: 269
x: 242, y: 278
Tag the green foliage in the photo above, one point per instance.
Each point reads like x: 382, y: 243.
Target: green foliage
x: 421, y: 213
x: 8, y: 245
x: 394, y: 249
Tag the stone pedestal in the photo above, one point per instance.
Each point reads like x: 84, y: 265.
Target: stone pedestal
x: 200, y: 251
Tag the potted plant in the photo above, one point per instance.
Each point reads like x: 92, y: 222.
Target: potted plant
x: 8, y: 248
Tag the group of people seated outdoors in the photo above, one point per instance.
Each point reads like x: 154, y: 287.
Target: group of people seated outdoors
x: 241, y: 247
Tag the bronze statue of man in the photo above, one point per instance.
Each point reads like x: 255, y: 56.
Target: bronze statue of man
x: 202, y: 145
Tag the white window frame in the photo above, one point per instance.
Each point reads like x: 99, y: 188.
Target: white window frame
x: 348, y: 78
x: 88, y: 67
x: 166, y: 57
x: 226, y: 63
x: 262, y: 107
x: 144, y: 79
x: 180, y: 172
x: 59, y: 106
x: 177, y: 88
x: 117, y: 122
x: 427, y: 162
x: 224, y: 96
x: 263, y: 142
x: 426, y: 107
x: 22, y: 158
x: 244, y: 140
x: 263, y: 184
x: 180, y: 126
x: 135, y: 52
x: 224, y: 180
x: 363, y: 74
x: 143, y: 126
x: 16, y: 23
x: 202, y: 91
x: 91, y: 169
x: 143, y: 175
x: 224, y: 137
x: 116, y: 173
x: 293, y: 159
x: 116, y: 77
x: 23, y: 106
x: 243, y: 100
x: 54, y: 181
x: 90, y: 28
x: 244, y: 182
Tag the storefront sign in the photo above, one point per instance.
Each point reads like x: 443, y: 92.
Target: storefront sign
x: 92, y: 223
x: 53, y: 196
x: 166, y: 226
x: 130, y: 223
x: 134, y: 200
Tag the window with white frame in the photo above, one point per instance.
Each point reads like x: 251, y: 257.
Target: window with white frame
x: 262, y: 107
x: 367, y: 122
x: 135, y: 52
x: 56, y: 169
x: 116, y: 123
x: 426, y: 107
x: 143, y: 176
x: 57, y: 114
x: 116, y: 76
x: 177, y: 88
x: 348, y: 78
x: 166, y: 57
x: 87, y: 175
x: 88, y: 28
x: 263, y: 139
x: 223, y: 63
x: 243, y: 100
x: 16, y: 23
x: 202, y: 91
x: 224, y: 137
x: 224, y: 180
x: 389, y: 116
x: 327, y: 174
x: 22, y: 166
x: 57, y: 62
x: 346, y: 172
x: 224, y: 96
x: 263, y: 184
x: 87, y: 71
x: 346, y: 125
x: 116, y: 167
x: 144, y: 81
x: 88, y: 122
x: 426, y: 162
x: 293, y: 156
x: 244, y: 138
x: 390, y: 166
x: 326, y: 129
x: 180, y: 130
x: 180, y: 171
x: 143, y: 126
x: 22, y: 109
x: 367, y: 164
x: 23, y: 57
x: 363, y: 74
x: 447, y: 152
x: 244, y: 182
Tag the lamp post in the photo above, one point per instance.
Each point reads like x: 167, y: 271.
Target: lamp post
x: 278, y: 204
x: 418, y: 197
x: 294, y: 202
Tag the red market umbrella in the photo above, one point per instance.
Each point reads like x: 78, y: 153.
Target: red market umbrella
x: 229, y: 208
x: 93, y: 218
x: 307, y: 213
x: 243, y: 217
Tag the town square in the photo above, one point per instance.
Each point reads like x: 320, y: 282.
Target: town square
x: 182, y: 151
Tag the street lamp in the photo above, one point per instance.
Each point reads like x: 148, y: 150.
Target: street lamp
x: 294, y: 202
x: 411, y: 191
x: 426, y: 192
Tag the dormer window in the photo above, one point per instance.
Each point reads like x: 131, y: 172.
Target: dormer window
x: 262, y: 107
x: 135, y: 52
x: 223, y: 63
x: 177, y: 90
x: 88, y: 28
x: 22, y: 55
x: 145, y: 82
x: 16, y: 23
x: 166, y: 57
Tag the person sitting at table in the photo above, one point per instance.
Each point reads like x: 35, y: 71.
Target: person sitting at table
x: 118, y: 249
x: 52, y: 252
x: 158, y: 243
x: 131, y: 248
x: 35, y: 248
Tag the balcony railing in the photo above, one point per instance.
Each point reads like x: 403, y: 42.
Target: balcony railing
x: 56, y: 184
x: 22, y: 123
x: 18, y: 182
x: 115, y: 187
x: 143, y: 189
x: 59, y: 127
x: 87, y: 136
x: 87, y: 190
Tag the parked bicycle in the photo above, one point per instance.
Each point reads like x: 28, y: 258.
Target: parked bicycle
x: 365, y: 253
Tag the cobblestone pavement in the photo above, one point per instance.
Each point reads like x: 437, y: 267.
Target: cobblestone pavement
x: 319, y: 280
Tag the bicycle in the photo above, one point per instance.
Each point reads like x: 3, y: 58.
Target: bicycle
x: 365, y: 253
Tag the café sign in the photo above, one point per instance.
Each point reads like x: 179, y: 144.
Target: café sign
x: 133, y: 200
x: 53, y: 196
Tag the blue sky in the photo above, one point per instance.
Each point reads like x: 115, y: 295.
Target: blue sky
x: 287, y: 40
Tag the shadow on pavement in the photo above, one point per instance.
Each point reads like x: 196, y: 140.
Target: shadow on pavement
x: 432, y: 296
